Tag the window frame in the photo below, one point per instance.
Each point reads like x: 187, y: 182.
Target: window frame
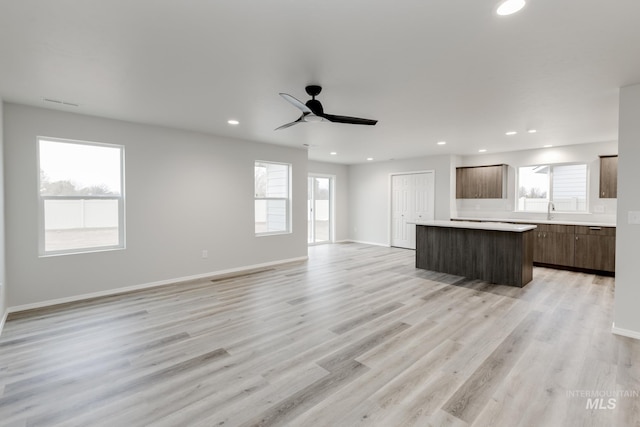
x: 287, y: 200
x: 42, y: 252
x: 550, y: 191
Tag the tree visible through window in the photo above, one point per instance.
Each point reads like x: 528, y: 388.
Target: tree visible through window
x: 81, y: 196
x: 272, y: 197
x: 564, y: 185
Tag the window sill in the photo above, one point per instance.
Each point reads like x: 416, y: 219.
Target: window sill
x: 274, y: 233
x: 81, y: 252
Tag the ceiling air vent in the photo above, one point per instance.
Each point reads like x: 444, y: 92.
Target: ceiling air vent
x: 57, y: 101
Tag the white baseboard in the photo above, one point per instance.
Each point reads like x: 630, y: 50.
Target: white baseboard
x: 625, y: 332
x: 126, y: 289
x: 384, y: 245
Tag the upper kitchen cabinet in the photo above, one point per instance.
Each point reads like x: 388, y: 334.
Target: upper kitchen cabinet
x: 482, y: 182
x: 608, y: 177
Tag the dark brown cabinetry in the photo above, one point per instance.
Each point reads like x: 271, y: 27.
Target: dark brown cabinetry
x: 583, y: 247
x: 595, y: 248
x: 608, y: 177
x: 481, y: 182
x: 554, y: 244
x: 504, y: 257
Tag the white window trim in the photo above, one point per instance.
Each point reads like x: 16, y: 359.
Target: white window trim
x: 41, y: 199
x: 550, y: 198
x: 286, y: 199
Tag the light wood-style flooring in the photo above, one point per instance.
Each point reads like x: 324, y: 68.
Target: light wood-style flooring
x: 355, y: 336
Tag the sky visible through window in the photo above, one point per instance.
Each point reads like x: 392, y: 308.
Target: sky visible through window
x: 534, y: 182
x: 81, y: 164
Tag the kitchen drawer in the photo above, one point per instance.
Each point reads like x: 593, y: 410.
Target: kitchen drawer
x: 596, y: 231
x: 555, y: 228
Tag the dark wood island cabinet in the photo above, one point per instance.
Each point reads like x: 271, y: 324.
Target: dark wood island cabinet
x: 495, y: 252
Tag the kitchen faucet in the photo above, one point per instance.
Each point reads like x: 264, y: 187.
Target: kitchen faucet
x: 550, y: 207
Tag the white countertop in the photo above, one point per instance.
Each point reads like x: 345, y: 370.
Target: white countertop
x: 492, y: 226
x: 539, y: 221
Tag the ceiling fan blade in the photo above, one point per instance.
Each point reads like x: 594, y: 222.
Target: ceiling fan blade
x: 300, y: 120
x: 298, y: 104
x: 349, y: 120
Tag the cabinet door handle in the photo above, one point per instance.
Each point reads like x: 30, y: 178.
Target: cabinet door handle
x: 576, y: 237
x: 603, y: 193
x: 595, y: 228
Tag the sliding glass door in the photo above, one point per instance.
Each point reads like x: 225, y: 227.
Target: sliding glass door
x: 320, y: 207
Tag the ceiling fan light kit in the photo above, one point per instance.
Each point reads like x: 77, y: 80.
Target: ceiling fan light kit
x: 509, y: 7
x: 313, y: 111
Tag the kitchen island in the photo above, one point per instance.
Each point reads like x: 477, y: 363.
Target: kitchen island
x: 496, y: 252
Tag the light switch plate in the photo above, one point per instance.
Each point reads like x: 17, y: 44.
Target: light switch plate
x: 634, y: 217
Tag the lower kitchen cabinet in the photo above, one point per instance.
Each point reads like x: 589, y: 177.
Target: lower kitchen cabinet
x: 595, y: 248
x: 590, y: 248
x: 554, y: 244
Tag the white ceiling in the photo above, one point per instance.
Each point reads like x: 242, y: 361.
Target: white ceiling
x: 427, y: 70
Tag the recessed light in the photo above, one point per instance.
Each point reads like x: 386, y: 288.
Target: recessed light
x: 509, y: 7
x: 482, y: 150
x: 369, y: 158
x: 511, y: 132
x: 333, y: 153
x: 548, y: 146
x: 233, y: 122
x: 442, y: 142
x: 532, y: 131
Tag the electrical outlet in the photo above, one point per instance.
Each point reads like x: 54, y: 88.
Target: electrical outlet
x: 634, y: 217
x: 205, y: 253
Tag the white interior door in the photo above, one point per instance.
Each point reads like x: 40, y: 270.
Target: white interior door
x: 424, y: 197
x: 400, y: 210
x: 412, y: 199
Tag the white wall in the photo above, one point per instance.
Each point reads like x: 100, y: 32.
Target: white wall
x: 341, y: 196
x: 3, y: 277
x: 185, y: 192
x: 369, y: 190
x: 627, y: 295
x: 504, y: 208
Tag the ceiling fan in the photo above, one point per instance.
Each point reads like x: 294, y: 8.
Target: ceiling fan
x: 313, y: 111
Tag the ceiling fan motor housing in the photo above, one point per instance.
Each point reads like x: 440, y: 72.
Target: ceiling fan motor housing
x: 313, y: 90
x: 315, y: 106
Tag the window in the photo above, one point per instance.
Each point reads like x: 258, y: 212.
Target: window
x: 81, y: 196
x: 563, y: 185
x: 272, y: 197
